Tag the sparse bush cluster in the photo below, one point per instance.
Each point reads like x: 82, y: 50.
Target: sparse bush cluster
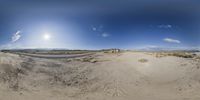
x: 143, y: 60
x: 176, y: 54
x: 183, y: 55
x: 89, y: 59
x: 85, y: 59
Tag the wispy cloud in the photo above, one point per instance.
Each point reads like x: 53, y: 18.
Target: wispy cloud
x: 16, y: 36
x: 94, y: 28
x: 97, y: 28
x: 105, y: 35
x: 170, y: 40
x: 165, y: 26
x: 12, y: 44
x: 100, y: 31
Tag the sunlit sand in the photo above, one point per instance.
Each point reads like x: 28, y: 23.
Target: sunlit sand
x: 126, y: 75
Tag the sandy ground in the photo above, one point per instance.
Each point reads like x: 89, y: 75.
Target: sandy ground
x: 123, y: 76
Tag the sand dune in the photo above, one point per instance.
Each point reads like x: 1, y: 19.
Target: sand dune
x: 102, y: 76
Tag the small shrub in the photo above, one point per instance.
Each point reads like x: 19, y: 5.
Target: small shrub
x: 183, y: 55
x: 89, y: 59
x: 175, y: 54
x: 143, y: 60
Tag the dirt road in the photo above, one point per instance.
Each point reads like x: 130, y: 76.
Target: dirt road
x: 56, y: 56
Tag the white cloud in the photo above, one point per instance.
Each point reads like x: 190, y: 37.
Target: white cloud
x: 165, y: 26
x: 94, y: 28
x: 97, y: 28
x: 171, y: 40
x: 105, y: 35
x: 12, y: 44
x: 16, y: 36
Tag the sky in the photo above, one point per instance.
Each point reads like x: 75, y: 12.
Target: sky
x: 99, y: 24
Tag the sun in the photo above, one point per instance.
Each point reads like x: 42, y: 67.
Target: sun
x: 46, y: 36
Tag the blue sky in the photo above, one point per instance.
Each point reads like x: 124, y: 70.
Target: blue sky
x: 99, y: 24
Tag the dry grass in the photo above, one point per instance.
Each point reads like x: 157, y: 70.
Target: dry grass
x: 143, y: 60
x: 176, y: 54
x: 85, y: 59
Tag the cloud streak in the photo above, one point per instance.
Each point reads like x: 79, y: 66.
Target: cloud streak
x: 100, y: 31
x: 165, y: 26
x: 170, y: 40
x: 16, y: 36
x: 105, y: 35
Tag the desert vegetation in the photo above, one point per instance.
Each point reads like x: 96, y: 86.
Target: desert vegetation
x: 176, y: 54
x: 143, y: 60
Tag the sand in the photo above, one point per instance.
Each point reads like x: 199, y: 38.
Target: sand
x: 102, y: 76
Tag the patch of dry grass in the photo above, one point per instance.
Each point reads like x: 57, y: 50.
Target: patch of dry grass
x: 143, y: 60
x: 176, y: 54
x: 86, y: 59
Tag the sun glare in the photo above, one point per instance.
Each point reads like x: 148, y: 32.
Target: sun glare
x: 46, y: 36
